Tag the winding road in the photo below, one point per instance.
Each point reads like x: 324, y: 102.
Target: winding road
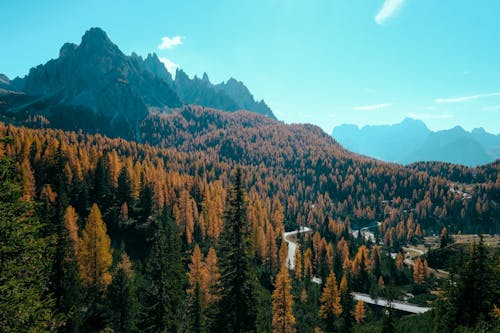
x: 398, y: 305
x: 292, y: 246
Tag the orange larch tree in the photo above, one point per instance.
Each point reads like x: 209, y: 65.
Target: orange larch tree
x: 94, y: 251
x: 283, y: 318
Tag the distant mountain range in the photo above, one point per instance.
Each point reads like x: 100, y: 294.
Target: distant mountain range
x: 411, y: 141
x: 96, y: 87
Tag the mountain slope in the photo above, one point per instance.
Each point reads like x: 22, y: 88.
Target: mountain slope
x: 231, y: 96
x: 454, y: 146
x: 411, y: 141
x: 94, y: 86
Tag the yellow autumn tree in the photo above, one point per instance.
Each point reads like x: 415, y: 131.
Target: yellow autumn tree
x: 418, y: 272
x: 284, y: 254
x: 197, y: 273
x: 298, y: 263
x: 213, y: 277
x: 359, y: 312
x: 427, y: 272
x: 94, y: 251
x: 283, y: 318
x: 330, y: 299
x: 71, y: 223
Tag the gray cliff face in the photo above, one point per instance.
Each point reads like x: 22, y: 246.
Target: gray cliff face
x: 230, y: 96
x: 98, y: 76
x: 96, y: 87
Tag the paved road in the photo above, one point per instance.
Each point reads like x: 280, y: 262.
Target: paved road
x: 292, y: 246
x: 398, y: 305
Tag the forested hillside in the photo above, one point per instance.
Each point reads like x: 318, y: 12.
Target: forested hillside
x: 106, y: 215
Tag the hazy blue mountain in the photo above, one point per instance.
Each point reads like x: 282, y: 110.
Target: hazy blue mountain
x: 386, y: 142
x: 96, y: 87
x: 411, y: 141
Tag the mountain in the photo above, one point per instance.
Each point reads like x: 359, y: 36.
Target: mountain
x: 411, y: 141
x: 94, y: 86
x: 454, y: 145
x: 386, y: 142
x: 232, y: 95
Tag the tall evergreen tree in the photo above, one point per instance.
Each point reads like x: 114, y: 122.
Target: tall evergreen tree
x: 473, y: 293
x: 24, y: 304
x: 196, y: 315
x: 237, y: 306
x: 165, y: 279
x: 122, y: 302
x: 347, y: 303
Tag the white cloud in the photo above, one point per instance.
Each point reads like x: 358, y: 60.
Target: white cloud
x: 169, y: 43
x: 372, y: 107
x: 169, y: 65
x: 465, y: 98
x: 426, y: 116
x: 388, y: 9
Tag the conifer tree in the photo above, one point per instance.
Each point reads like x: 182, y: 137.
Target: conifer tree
x: 359, y: 312
x: 283, y: 318
x: 284, y: 254
x: 473, y: 293
x: 298, y: 263
x: 237, y: 306
x: 418, y: 272
x: 197, y: 274
x: 330, y: 302
x: 197, y: 322
x: 165, y: 279
x: 24, y: 303
x: 198, y: 291
x: 68, y: 281
x: 94, y: 251
x: 213, y: 277
x: 347, y: 303
x: 121, y: 297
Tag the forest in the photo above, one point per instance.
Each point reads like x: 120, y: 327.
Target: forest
x: 183, y: 231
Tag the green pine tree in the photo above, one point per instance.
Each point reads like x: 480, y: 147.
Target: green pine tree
x: 165, y: 279
x: 237, y: 306
x: 121, y: 296
x: 196, y: 315
x: 24, y: 303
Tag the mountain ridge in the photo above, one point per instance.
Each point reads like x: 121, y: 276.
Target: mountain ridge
x: 94, y: 85
x: 411, y: 141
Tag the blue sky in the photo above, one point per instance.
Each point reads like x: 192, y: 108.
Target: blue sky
x: 325, y: 62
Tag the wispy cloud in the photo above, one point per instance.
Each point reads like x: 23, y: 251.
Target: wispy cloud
x: 426, y: 116
x: 388, y: 9
x: 170, y: 42
x: 169, y: 65
x: 465, y: 98
x: 372, y: 107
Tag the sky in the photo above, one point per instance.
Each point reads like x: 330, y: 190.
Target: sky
x: 325, y: 62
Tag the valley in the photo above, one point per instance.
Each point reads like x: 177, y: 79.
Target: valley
x: 135, y: 201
